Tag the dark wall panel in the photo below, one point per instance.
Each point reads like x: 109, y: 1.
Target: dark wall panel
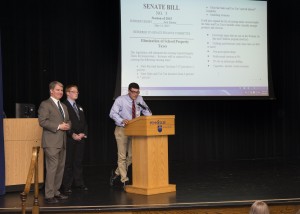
x: 78, y: 42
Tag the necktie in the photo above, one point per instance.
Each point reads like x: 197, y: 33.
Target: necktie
x: 60, y: 109
x: 76, y: 110
x: 133, y: 109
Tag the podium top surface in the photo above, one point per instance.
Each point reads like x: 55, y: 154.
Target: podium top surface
x: 22, y: 129
x: 152, y: 117
x: 151, y: 125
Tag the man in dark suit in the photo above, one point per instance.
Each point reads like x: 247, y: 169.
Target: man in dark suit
x: 54, y: 119
x: 76, y: 138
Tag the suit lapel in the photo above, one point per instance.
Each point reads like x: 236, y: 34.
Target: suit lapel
x: 55, y: 107
x: 72, y: 109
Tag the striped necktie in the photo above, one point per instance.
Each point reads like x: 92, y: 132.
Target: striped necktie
x: 76, y: 110
x: 133, y: 109
x: 60, y: 109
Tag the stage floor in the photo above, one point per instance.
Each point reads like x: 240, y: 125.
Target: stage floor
x: 198, y: 185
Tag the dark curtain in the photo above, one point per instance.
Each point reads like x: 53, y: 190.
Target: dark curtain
x: 78, y: 42
x: 2, y: 152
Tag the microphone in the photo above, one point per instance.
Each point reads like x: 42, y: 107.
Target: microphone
x: 142, y: 106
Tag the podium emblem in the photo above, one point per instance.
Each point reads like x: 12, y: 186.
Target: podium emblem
x: 159, y: 128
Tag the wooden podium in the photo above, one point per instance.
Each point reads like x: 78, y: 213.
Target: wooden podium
x: 20, y: 135
x: 150, y: 170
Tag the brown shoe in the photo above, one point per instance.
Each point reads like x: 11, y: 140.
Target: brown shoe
x: 52, y: 200
x: 61, y: 197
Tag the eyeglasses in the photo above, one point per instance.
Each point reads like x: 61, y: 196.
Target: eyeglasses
x: 135, y: 92
x: 75, y: 92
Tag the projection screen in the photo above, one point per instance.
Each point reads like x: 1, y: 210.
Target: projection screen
x: 195, y: 48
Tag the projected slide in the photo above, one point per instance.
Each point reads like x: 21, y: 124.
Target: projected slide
x: 194, y: 47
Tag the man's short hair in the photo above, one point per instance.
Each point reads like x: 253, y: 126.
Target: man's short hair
x: 54, y: 83
x: 70, y: 86
x: 133, y: 85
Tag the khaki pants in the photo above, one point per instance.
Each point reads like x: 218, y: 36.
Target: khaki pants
x: 124, y: 153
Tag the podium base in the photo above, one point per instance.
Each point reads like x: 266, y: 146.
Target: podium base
x: 150, y: 191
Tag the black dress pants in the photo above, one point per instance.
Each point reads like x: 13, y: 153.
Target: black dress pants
x: 73, y: 174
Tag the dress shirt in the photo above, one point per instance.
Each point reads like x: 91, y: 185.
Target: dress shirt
x: 71, y: 101
x: 122, y: 109
x: 56, y: 102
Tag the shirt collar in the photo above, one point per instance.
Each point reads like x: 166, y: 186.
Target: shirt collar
x: 71, y: 101
x: 55, y: 100
x: 129, y: 98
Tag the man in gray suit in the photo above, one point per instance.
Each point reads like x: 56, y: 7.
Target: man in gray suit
x: 54, y: 119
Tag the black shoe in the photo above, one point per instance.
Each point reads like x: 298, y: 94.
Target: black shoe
x: 67, y: 190
x: 113, y: 178
x: 82, y: 187
x: 52, y: 200
x: 125, y: 183
x: 61, y: 197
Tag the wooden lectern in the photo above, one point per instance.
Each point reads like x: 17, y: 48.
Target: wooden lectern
x: 150, y: 170
x: 20, y: 135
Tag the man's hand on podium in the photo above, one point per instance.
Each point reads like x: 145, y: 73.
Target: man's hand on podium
x: 125, y: 122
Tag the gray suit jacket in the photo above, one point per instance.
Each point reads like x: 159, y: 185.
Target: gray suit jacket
x: 49, y: 119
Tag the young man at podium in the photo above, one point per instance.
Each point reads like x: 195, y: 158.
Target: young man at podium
x: 124, y: 109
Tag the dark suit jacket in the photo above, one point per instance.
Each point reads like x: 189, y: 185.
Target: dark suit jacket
x: 49, y: 119
x: 78, y: 126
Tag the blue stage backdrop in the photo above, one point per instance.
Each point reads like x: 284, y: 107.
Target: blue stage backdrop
x: 2, y: 159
